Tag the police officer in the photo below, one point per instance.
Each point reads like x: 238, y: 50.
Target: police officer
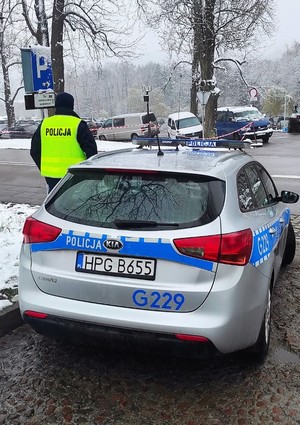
x: 60, y: 141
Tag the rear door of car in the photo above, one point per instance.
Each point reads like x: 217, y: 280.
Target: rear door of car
x: 171, y: 128
x: 269, y: 218
x: 131, y: 239
x: 120, y: 130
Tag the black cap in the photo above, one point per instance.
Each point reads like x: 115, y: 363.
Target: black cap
x: 64, y: 100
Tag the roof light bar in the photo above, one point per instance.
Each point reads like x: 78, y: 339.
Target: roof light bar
x: 192, y: 143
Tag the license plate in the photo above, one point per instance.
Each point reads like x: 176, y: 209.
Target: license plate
x: 116, y: 265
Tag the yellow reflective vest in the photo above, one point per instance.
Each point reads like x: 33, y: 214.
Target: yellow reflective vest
x: 59, y: 146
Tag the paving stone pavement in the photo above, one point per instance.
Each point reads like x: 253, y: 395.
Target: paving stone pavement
x: 296, y: 224
x: 54, y: 383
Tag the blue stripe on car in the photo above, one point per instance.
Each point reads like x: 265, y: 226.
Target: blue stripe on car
x: 142, y: 247
x: 264, y: 241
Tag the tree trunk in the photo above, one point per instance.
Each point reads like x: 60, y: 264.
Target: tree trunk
x: 57, y: 45
x: 203, y: 59
x: 42, y: 33
x: 9, y: 107
x: 210, y: 116
x: 194, y: 89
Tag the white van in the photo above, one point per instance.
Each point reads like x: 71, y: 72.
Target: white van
x: 129, y: 126
x: 184, y: 125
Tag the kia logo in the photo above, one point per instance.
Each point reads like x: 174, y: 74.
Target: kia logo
x: 113, y: 244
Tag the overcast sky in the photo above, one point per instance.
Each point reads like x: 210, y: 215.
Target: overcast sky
x: 288, y: 28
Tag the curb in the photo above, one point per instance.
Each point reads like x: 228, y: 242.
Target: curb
x: 10, y: 318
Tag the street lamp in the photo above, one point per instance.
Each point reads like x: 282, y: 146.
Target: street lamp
x: 146, y: 99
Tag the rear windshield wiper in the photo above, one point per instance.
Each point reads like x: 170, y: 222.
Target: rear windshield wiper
x: 127, y: 224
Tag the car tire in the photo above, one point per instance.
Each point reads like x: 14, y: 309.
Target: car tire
x: 265, y: 139
x: 258, y: 352
x: 290, y: 247
x: 134, y: 136
x: 102, y: 138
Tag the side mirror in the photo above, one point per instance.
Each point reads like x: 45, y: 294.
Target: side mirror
x: 288, y: 197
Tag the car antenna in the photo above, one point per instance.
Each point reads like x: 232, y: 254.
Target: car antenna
x: 160, y: 152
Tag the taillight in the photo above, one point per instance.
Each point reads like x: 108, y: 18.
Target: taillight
x: 35, y: 231
x: 35, y: 314
x: 230, y: 248
x: 193, y: 338
x: 128, y: 171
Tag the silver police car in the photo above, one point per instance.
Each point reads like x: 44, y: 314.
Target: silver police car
x: 174, y: 247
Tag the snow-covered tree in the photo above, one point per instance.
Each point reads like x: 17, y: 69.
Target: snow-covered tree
x: 11, y: 32
x: 209, y: 32
x: 78, y: 30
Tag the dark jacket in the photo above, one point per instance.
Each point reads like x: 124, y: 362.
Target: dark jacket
x: 84, y: 138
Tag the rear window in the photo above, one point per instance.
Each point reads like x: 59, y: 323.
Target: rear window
x: 148, y: 117
x: 138, y: 199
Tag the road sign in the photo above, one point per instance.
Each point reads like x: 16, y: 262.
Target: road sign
x: 44, y: 100
x: 203, y: 96
x: 41, y: 68
x: 253, y: 94
x: 37, y: 69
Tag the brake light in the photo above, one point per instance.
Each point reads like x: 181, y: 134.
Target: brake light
x: 36, y: 231
x: 35, y: 314
x: 194, y: 338
x: 230, y: 248
x: 117, y: 170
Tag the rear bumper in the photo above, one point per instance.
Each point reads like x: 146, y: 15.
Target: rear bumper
x: 120, y: 338
x: 228, y: 331
x: 230, y: 317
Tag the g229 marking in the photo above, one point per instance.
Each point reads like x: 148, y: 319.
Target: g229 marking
x: 158, y: 300
x: 263, y: 244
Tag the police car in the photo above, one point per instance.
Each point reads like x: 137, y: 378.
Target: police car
x: 176, y: 246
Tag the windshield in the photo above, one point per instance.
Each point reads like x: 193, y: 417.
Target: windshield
x: 116, y: 199
x: 248, y: 115
x: 187, y: 122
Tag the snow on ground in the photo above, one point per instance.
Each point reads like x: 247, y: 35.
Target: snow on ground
x: 25, y: 144
x: 12, y: 218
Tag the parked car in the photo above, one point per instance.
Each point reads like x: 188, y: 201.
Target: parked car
x: 184, y: 125
x: 22, y: 122
x: 276, y: 122
x: 3, y: 123
x: 93, y: 126
x: 240, y: 122
x: 25, y: 131
x: 129, y: 126
x: 294, y: 123
x: 174, y: 249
